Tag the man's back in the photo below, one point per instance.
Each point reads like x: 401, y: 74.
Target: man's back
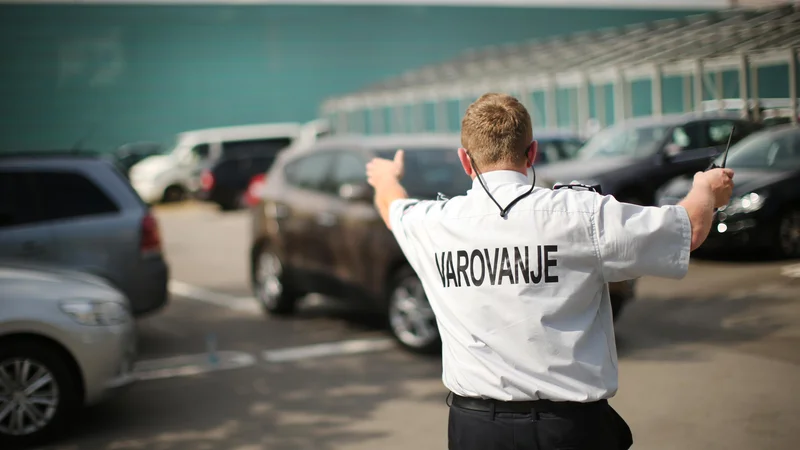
x: 518, y: 278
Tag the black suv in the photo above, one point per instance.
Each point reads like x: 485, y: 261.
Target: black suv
x: 632, y: 160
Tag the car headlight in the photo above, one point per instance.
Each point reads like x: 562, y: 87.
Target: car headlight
x: 745, y: 204
x: 96, y: 313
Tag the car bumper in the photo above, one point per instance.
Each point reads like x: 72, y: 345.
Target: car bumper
x: 149, y: 291
x: 737, y: 232
x: 106, y: 357
x: 149, y: 192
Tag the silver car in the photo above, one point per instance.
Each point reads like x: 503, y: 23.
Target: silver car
x: 67, y: 339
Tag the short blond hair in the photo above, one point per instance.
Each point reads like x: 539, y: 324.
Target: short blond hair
x: 496, y: 130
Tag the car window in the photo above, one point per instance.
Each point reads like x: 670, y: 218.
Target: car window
x: 766, y: 151
x: 720, y: 130
x: 17, y: 200
x: 687, y: 137
x: 309, y: 172
x: 269, y: 146
x: 65, y: 195
x: 349, y: 168
x: 201, y: 151
x: 570, y: 147
x: 429, y: 172
x: 549, y: 151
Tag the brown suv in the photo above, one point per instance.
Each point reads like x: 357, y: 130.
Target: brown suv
x: 316, y: 230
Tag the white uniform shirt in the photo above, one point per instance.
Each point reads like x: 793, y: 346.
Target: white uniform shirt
x: 522, y: 303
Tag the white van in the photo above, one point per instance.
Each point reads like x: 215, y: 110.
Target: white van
x: 171, y: 176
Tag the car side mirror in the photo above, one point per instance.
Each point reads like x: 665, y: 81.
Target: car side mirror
x: 356, y: 192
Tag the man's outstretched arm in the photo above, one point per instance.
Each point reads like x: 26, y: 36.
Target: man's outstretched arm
x: 385, y: 175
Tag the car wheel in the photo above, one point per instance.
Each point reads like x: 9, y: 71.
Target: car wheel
x: 274, y: 294
x: 411, y: 317
x: 789, y: 234
x: 173, y: 194
x: 38, y: 393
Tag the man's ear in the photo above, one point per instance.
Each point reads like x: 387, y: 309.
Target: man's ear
x: 465, y: 162
x: 532, y: 151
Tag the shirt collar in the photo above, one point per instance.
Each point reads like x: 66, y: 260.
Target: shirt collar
x: 500, y: 177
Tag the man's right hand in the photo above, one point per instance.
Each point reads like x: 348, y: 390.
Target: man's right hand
x: 720, y: 182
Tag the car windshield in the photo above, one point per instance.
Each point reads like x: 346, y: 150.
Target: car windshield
x: 429, y: 172
x: 768, y: 151
x: 623, y: 141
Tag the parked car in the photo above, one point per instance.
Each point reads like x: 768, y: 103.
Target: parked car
x: 67, y: 340
x: 226, y: 181
x: 764, y: 211
x: 317, y: 230
x: 130, y: 154
x: 172, y: 176
x: 554, y: 145
x: 80, y: 212
x: 632, y: 160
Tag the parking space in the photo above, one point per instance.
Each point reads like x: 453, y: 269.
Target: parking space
x: 707, y: 362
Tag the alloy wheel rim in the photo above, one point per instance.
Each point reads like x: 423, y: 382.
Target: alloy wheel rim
x: 29, y: 396
x: 270, y: 287
x: 411, y: 316
x: 790, y: 233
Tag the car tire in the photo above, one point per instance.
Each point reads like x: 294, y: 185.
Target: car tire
x: 787, y: 243
x: 411, y: 318
x: 270, y: 285
x: 43, y: 361
x: 173, y: 194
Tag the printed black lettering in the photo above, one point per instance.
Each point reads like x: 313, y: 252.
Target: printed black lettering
x: 462, y: 266
x: 492, y: 266
x: 505, y: 268
x: 477, y: 281
x: 550, y: 263
x: 536, y: 278
x: 519, y: 263
x: 441, y: 269
x: 451, y: 273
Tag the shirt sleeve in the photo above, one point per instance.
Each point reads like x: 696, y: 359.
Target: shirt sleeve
x: 404, y: 216
x: 635, y: 241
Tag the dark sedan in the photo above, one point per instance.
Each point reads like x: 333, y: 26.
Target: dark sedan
x: 765, y: 208
x: 632, y: 160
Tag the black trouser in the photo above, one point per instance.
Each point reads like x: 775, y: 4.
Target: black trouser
x: 540, y: 425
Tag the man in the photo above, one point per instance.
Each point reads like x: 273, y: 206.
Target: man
x: 517, y: 278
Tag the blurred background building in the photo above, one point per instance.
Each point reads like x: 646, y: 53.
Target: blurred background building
x: 112, y: 72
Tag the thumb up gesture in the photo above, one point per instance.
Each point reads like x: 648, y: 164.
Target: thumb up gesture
x: 380, y: 170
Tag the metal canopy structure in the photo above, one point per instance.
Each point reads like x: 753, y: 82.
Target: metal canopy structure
x: 690, y: 47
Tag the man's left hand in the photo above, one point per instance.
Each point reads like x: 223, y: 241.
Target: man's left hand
x: 380, y: 171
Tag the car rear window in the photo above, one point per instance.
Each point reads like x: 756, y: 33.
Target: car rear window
x: 431, y: 171
x: 65, y: 195
x: 269, y: 146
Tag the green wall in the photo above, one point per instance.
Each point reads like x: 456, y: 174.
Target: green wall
x: 132, y: 73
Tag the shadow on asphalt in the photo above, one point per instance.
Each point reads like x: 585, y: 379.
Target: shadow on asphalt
x: 313, y: 404
x: 658, y: 329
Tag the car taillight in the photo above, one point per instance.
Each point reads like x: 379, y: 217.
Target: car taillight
x: 207, y: 180
x: 256, y: 189
x: 151, y: 236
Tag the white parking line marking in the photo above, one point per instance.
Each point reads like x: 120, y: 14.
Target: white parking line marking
x: 351, y: 347
x: 792, y: 271
x: 242, y: 304
x: 188, y: 365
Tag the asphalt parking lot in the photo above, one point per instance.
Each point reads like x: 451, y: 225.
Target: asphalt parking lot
x: 709, y: 362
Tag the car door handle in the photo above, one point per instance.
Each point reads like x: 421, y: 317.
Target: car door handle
x: 326, y: 219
